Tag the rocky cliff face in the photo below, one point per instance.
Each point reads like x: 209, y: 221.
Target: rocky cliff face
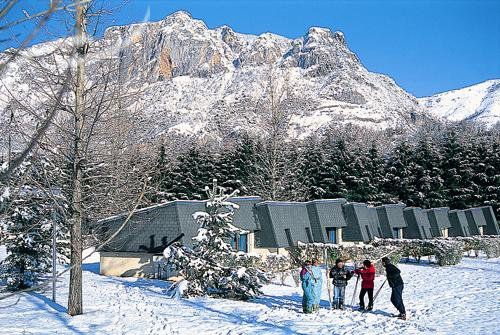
x: 196, y: 80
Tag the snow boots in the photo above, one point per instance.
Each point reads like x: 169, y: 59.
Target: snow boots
x: 339, y: 305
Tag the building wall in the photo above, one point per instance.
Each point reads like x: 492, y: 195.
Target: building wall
x: 128, y: 264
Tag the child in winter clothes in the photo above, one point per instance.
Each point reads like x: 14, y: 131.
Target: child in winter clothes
x: 367, y: 273
x: 307, y: 286
x: 340, y: 277
x: 316, y: 284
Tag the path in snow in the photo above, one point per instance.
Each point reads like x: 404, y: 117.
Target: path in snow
x: 462, y: 299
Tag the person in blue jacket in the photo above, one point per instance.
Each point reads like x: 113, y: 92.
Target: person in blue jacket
x: 307, y: 279
x: 317, y: 284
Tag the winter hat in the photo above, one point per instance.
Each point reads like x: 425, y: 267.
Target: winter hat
x: 367, y: 263
x: 338, y: 261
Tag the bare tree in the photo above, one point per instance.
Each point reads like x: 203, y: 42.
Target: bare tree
x: 94, y: 134
x: 10, y: 56
x: 269, y: 182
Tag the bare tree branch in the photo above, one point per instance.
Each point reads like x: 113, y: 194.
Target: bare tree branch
x: 15, y: 163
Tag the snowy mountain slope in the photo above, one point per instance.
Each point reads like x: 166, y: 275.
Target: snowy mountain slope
x: 461, y: 299
x: 479, y: 102
x: 196, y: 80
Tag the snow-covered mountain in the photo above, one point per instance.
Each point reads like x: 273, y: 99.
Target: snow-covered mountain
x: 479, y: 102
x: 195, y: 80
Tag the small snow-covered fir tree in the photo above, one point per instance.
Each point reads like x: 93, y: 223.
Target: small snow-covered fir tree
x: 26, y: 217
x: 211, y: 267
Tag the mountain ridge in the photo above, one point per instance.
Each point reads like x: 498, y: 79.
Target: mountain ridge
x: 199, y: 81
x: 478, y: 102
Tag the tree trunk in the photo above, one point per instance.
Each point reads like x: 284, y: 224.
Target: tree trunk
x: 75, y: 305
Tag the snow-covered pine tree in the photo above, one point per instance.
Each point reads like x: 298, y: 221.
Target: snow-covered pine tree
x: 211, y: 267
x: 30, y: 204
x: 457, y: 171
x: 359, y: 179
x: 334, y: 170
x: 293, y: 188
x: 185, y: 178
x: 491, y: 187
x: 399, y: 178
x: 308, y: 170
x: 235, y: 167
x: 374, y: 169
x: 428, y: 184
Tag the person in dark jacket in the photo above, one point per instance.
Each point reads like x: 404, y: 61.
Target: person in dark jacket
x: 340, y: 277
x: 395, y: 281
x: 367, y: 273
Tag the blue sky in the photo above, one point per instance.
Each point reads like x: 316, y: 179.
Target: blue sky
x: 426, y: 46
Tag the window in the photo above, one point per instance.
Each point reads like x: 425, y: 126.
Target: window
x: 239, y: 243
x: 242, y: 243
x: 309, y: 235
x: 396, y: 232
x: 289, y: 237
x: 331, y: 234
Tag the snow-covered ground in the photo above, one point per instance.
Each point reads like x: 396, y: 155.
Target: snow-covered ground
x: 462, y: 299
x: 3, y: 252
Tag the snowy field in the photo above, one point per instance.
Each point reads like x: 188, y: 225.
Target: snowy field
x: 462, y: 299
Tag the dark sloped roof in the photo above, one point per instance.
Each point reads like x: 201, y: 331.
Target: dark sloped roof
x: 438, y: 219
x: 150, y: 228
x: 277, y: 218
x: 145, y: 231
x: 375, y: 223
x: 459, y: 225
x: 475, y: 219
x: 358, y: 226
x: 390, y: 217
x: 325, y: 214
x: 492, y: 227
x: 418, y: 225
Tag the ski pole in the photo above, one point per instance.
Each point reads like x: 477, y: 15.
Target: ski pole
x: 376, y: 294
x: 327, y: 279
x: 387, y: 254
x: 354, y: 293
